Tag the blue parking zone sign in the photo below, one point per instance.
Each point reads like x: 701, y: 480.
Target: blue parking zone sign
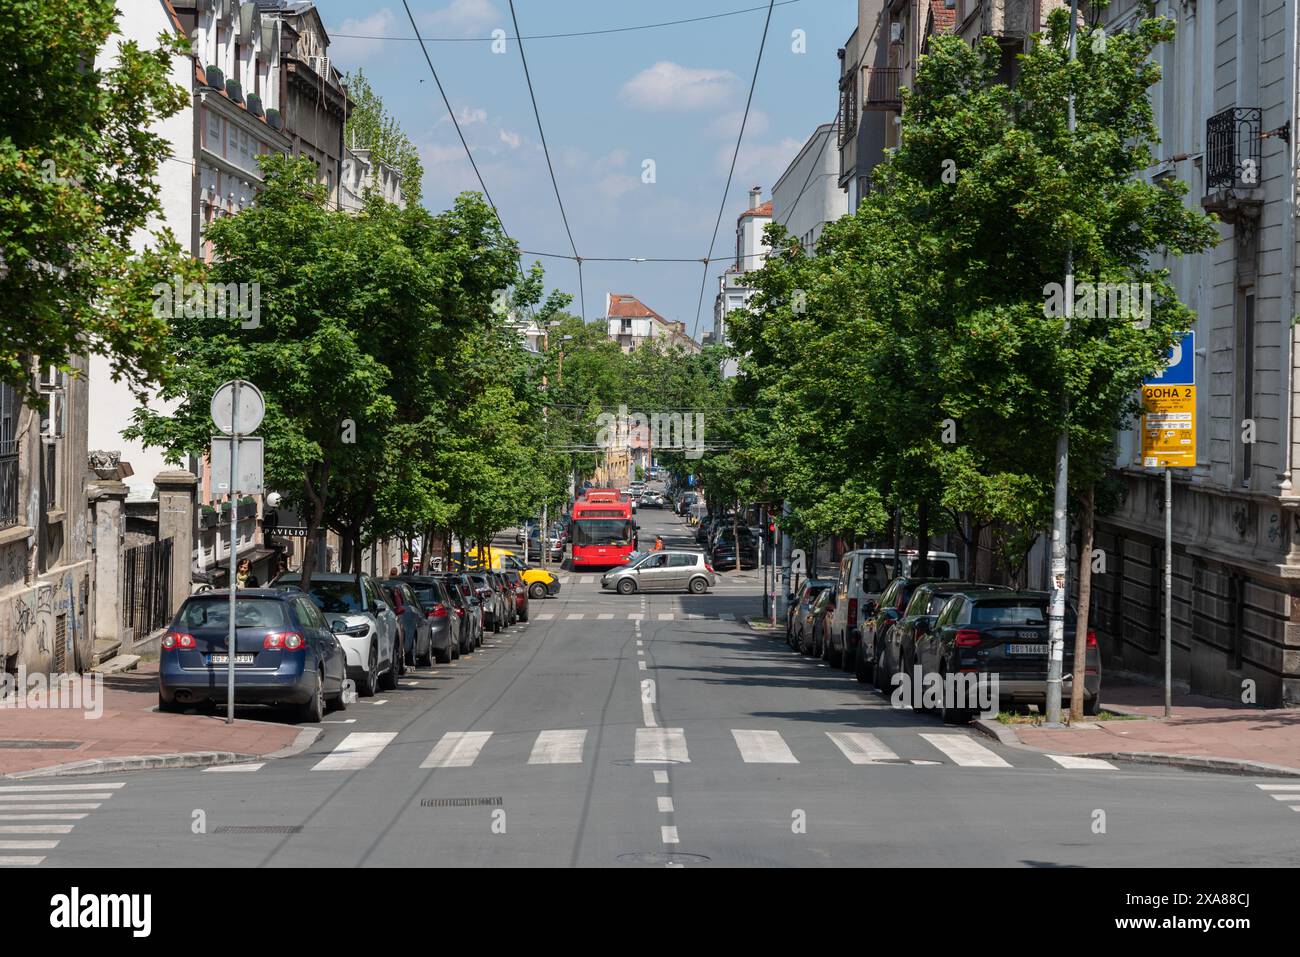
x: 1181, y: 369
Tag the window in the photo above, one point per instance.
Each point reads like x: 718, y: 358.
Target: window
x: 919, y: 600
x: 8, y: 456
x: 681, y: 561
x: 654, y: 561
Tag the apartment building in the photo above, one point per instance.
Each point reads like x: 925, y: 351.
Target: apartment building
x: 631, y: 323
x: 751, y: 252
x: 1226, y: 108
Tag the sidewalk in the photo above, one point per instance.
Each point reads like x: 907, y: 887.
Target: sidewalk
x: 32, y: 739
x: 1203, y: 732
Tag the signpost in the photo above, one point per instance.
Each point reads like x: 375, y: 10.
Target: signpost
x: 237, y: 409
x: 1169, y: 442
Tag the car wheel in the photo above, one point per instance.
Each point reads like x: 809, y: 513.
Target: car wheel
x: 880, y: 676
x: 626, y: 586
x: 537, y: 590
x: 388, y: 680
x: 861, y: 669
x: 947, y: 713
x: 444, y: 657
x: 1092, y: 706
x: 698, y: 586
x: 314, y: 710
x: 369, y: 683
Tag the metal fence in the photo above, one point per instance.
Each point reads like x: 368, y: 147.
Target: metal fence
x: 1232, y: 148
x: 146, y: 587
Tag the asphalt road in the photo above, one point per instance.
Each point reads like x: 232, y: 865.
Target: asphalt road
x: 647, y: 730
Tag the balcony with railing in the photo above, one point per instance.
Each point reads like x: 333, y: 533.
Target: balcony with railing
x: 881, y: 88
x: 1232, y: 162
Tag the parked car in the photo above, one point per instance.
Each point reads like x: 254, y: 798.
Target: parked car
x: 723, y: 551
x: 491, y: 607
x: 363, y: 621
x: 412, y: 625
x: 468, y: 612
x: 520, y: 589
x: 508, y: 600
x: 554, y: 544
x: 799, y: 609
x: 652, y: 500
x: 864, y: 575
x: 439, y: 609
x: 1003, y: 633
x: 540, y: 583
x: 685, y: 502
x: 812, y: 639
x: 664, y: 570
x: 285, y: 653
x: 888, y: 629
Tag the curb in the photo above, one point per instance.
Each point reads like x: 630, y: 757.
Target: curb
x: 1193, y: 762
x: 137, y: 762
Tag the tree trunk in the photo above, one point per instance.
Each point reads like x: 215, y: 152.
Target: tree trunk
x: 735, y: 533
x: 315, y: 515
x: 923, y: 531
x: 1085, y: 598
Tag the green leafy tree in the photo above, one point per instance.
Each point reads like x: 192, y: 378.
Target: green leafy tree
x: 370, y: 126
x: 78, y: 181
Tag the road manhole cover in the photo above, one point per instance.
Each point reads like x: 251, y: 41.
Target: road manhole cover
x: 258, y: 829
x: 12, y: 744
x: 661, y: 858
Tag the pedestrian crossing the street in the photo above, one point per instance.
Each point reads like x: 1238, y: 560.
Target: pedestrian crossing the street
x: 34, y: 817
x: 751, y: 746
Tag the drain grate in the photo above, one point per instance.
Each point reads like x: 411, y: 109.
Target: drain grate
x: 462, y: 802
x: 17, y: 745
x: 258, y: 829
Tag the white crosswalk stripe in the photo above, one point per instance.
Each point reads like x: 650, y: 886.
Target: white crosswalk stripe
x: 42, y: 806
x: 231, y: 768
x: 663, y: 615
x: 635, y: 616
x: 605, y: 617
x: 585, y: 580
x: 558, y: 747
x: 356, y: 751
x: 655, y: 745
x: 545, y: 616
x: 457, y: 749
x: 860, y: 747
x: 1077, y: 763
x: 763, y: 747
x: 965, y: 751
x: 576, y: 617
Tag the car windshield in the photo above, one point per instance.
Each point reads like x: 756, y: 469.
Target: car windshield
x: 876, y: 574
x: 428, y: 594
x: 1014, y: 612
x: 603, y: 531
x: 214, y: 613
x: 337, y: 597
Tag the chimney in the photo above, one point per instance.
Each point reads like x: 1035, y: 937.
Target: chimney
x: 755, y: 197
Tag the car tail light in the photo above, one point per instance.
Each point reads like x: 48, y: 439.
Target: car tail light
x: 283, y: 641
x: 853, y: 611
x: 439, y: 611
x: 708, y: 567
x: 1092, y: 638
x: 967, y: 639
x: 175, y: 640
x: 460, y: 612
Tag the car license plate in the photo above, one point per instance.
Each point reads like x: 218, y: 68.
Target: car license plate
x: 225, y: 659
x: 1038, y: 649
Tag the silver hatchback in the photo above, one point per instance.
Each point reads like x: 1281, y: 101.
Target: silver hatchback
x: 662, y: 571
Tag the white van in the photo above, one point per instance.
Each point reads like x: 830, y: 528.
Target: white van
x: 864, y: 574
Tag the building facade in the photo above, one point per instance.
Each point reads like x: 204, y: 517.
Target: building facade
x: 1226, y: 108
x: 751, y: 252
x: 631, y: 323
x: 808, y: 195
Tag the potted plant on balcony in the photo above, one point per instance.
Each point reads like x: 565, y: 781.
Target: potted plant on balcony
x: 254, y: 104
x: 214, y: 77
x: 208, y: 517
x: 273, y: 119
x: 235, y: 91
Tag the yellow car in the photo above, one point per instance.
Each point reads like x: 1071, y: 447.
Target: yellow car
x: 541, y: 583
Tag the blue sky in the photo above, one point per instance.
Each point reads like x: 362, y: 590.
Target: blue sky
x: 673, y: 95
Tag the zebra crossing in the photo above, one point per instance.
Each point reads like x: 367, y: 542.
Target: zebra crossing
x: 1289, y: 794
x: 653, y: 745
x: 631, y: 616
x: 33, y: 817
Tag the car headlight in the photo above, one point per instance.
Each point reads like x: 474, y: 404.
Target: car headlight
x: 354, y: 631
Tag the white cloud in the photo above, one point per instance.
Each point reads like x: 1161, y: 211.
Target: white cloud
x: 511, y: 140
x: 350, y: 51
x: 671, y: 86
x: 727, y: 126
x: 464, y: 18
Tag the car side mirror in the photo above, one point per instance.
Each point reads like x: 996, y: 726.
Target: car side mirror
x: 337, y: 625
x: 381, y: 606
x: 870, y: 607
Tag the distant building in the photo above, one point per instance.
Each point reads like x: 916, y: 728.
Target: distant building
x: 808, y: 195
x: 751, y: 253
x: 630, y: 323
x: 362, y: 174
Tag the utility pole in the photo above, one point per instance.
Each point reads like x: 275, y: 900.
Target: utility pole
x: 1060, y: 516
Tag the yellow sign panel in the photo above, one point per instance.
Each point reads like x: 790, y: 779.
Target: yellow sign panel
x: 1169, y: 426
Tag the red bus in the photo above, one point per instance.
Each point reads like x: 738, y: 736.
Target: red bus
x: 604, y: 534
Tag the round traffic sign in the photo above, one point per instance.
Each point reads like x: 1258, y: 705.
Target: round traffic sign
x: 251, y: 407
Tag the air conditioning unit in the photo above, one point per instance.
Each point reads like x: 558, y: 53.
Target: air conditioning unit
x: 321, y: 64
x: 895, y: 33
